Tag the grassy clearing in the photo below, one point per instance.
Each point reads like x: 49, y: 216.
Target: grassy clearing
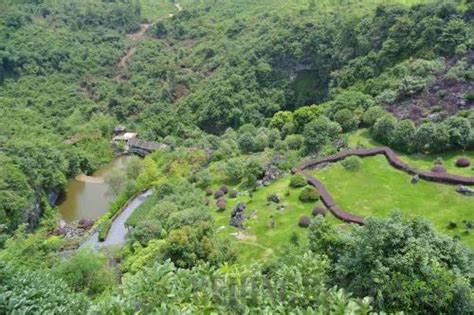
x: 153, y: 10
x: 422, y: 161
x: 377, y: 189
x: 264, y: 242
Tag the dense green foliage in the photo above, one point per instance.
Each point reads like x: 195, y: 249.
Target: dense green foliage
x: 390, y: 254
x: 240, y: 92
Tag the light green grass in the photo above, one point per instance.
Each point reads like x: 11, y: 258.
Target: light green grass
x: 420, y: 161
x: 265, y: 242
x: 141, y: 213
x: 377, y: 189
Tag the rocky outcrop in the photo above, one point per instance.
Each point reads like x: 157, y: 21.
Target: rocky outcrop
x: 238, y: 216
x: 466, y: 191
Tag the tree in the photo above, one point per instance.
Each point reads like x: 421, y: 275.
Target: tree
x: 280, y: 119
x: 403, y: 265
x: 459, y: 130
x: 190, y: 245
x: 246, y: 142
x: 320, y: 132
x: 425, y: 138
x: 403, y: 136
x: 371, y: 115
x: 384, y: 128
x: 87, y: 271
x: 346, y: 119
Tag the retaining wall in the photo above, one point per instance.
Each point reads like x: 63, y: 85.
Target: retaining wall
x: 392, y: 158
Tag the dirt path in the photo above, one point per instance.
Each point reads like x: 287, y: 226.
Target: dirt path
x: 118, y: 232
x: 135, y: 37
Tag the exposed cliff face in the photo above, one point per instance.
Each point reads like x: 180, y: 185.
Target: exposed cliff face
x: 39, y: 203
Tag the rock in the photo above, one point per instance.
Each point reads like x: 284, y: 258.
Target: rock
x: 466, y: 191
x: 415, y: 179
x: 237, y: 217
x: 273, y: 198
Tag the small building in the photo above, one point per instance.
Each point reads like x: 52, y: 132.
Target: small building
x: 125, y: 136
x: 120, y: 129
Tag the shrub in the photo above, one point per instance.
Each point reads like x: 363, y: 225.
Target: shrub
x: 452, y: 225
x: 439, y: 161
x: 224, y: 189
x: 304, y: 222
x: 438, y: 169
x: 294, y: 142
x: 319, y: 211
x: 233, y: 193
x: 352, y: 163
x: 298, y: 181
x: 273, y: 197
x: 309, y: 194
x: 218, y: 193
x: 221, y: 204
x: 463, y: 162
x: 104, y: 229
x: 209, y: 192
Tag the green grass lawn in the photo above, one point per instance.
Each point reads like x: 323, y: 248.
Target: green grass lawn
x: 264, y: 242
x: 377, y: 189
x: 421, y: 161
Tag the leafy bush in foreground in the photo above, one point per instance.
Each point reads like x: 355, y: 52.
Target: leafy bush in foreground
x: 36, y: 292
x: 297, y: 181
x: 352, y: 163
x: 304, y: 221
x: 309, y: 194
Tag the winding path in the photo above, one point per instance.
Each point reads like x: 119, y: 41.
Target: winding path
x: 392, y: 158
x: 118, y: 232
x: 140, y: 35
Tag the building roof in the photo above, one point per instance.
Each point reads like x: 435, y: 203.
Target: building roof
x: 126, y: 136
x: 146, y: 145
x: 120, y: 128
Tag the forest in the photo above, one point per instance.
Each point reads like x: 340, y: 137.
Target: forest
x: 221, y: 215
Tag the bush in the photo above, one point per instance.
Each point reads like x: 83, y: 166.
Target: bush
x: 224, y: 189
x: 439, y: 161
x: 273, y: 198
x: 319, y: 211
x: 438, y: 169
x: 452, y: 225
x: 221, y: 204
x: 352, y: 163
x: 304, y: 222
x: 104, y: 229
x: 233, y: 193
x: 209, y: 192
x: 218, y: 193
x: 298, y: 181
x: 463, y: 162
x: 294, y: 142
x: 309, y: 194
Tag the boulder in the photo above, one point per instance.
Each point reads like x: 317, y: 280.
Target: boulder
x: 237, y: 216
x: 464, y: 190
x: 415, y: 179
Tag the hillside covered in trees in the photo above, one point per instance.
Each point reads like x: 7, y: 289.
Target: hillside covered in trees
x: 234, y: 96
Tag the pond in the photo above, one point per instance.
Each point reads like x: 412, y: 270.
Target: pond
x: 88, y: 197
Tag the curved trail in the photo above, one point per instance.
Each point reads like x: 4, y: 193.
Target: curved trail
x: 118, y: 232
x: 394, y: 161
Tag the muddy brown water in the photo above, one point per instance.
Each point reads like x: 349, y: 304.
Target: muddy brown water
x: 88, y: 197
